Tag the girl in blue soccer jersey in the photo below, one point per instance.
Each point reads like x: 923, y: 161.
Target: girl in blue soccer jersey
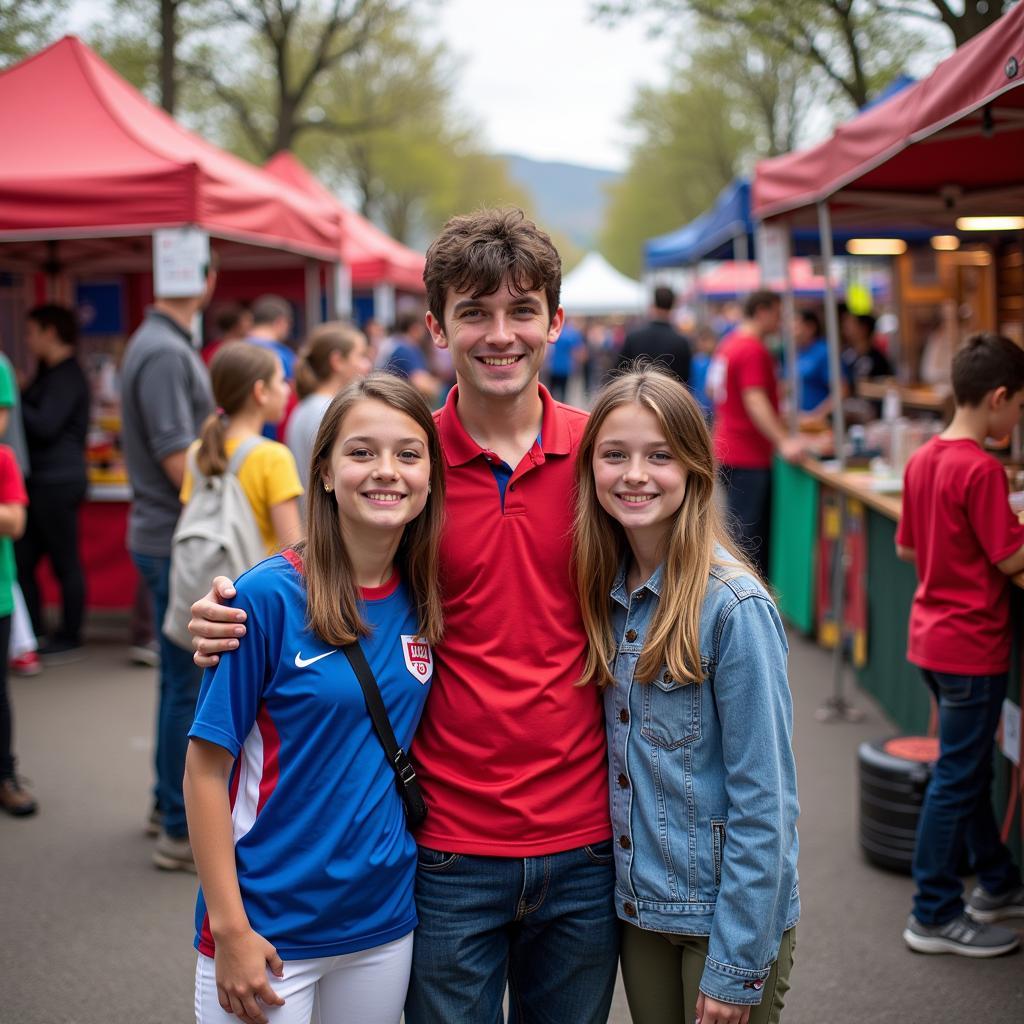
x: 691, y: 656
x: 299, y: 833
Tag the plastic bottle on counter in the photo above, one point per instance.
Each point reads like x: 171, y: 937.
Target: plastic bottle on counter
x: 892, y: 403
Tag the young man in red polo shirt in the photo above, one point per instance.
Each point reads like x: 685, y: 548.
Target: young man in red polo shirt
x: 516, y: 878
x: 748, y: 431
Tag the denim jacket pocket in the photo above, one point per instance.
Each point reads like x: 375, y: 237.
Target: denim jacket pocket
x: 671, y: 711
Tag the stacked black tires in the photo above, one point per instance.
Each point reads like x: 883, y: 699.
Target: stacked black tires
x: 894, y: 774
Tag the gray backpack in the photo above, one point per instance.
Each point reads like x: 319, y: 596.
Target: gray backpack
x: 216, y: 535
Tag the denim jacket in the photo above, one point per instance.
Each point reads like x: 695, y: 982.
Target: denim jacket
x: 703, y: 783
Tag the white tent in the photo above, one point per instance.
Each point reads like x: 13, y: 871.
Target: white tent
x: 596, y: 288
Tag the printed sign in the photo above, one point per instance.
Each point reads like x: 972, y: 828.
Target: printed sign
x: 419, y: 659
x: 180, y: 260
x: 772, y: 254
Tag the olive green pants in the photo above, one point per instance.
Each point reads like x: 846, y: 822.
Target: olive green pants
x: 662, y: 973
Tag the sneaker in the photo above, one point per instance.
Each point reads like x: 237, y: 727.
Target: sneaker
x: 153, y: 822
x: 961, y: 936
x: 173, y: 853
x: 15, y: 799
x: 985, y: 907
x: 61, y: 652
x: 27, y: 664
x: 145, y: 654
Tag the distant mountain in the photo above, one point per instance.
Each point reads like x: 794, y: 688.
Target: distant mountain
x: 568, y: 198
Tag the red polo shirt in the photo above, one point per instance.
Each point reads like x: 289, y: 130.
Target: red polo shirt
x: 511, y: 753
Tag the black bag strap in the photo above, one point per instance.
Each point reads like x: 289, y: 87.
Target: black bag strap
x: 405, y: 773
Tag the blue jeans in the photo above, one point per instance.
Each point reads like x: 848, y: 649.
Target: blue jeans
x: 545, y: 925
x: 748, y: 499
x: 957, y: 809
x: 179, y: 691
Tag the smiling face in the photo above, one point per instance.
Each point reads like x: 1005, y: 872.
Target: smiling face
x: 638, y: 479
x: 379, y: 469
x: 497, y: 342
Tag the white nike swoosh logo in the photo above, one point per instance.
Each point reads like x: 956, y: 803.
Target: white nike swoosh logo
x: 301, y: 662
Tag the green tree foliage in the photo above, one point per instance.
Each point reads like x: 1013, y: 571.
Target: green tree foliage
x: 857, y: 46
x: 27, y: 26
x: 692, y: 144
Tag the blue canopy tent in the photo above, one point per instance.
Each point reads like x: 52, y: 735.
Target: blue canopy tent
x: 727, y: 232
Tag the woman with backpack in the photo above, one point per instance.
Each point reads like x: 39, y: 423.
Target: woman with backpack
x: 298, y: 828
x: 240, y: 489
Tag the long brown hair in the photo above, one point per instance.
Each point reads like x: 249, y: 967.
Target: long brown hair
x: 313, y: 367
x: 234, y: 371
x: 332, y: 596
x: 600, y: 545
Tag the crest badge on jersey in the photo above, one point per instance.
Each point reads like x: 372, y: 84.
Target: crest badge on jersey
x: 419, y: 659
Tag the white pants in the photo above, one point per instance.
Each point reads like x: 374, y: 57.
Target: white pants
x: 367, y: 987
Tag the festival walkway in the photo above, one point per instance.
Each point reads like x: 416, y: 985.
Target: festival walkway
x: 92, y: 934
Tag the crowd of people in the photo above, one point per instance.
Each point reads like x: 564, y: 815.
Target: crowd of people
x: 553, y: 609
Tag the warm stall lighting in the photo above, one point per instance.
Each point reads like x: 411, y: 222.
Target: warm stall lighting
x: 945, y: 243
x: 990, y: 223
x: 876, y: 246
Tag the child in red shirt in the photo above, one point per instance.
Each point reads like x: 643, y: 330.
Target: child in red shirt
x: 957, y: 528
x: 14, y: 799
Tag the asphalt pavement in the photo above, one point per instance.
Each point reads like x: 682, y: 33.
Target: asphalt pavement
x: 93, y: 934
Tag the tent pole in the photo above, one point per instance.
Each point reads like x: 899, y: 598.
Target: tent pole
x: 312, y: 294
x: 836, y: 708
x: 789, y: 317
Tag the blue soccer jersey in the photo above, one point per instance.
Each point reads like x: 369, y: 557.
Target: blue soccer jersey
x: 325, y: 862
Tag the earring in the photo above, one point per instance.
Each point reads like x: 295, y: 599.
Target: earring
x: 327, y: 487
x: 428, y: 488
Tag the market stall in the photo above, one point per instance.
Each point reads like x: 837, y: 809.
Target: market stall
x: 940, y: 154
x: 90, y: 174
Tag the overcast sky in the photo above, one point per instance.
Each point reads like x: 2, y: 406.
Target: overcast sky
x: 543, y: 80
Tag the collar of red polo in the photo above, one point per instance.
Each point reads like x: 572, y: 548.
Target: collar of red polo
x: 460, y: 448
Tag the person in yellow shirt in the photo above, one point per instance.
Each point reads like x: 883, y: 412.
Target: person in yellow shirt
x: 250, y: 390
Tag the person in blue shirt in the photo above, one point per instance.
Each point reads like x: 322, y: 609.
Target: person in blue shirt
x: 690, y: 653
x: 407, y: 358
x: 297, y: 826
x: 706, y: 340
x: 564, y: 356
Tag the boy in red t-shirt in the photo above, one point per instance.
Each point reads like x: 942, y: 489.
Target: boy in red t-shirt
x: 957, y: 528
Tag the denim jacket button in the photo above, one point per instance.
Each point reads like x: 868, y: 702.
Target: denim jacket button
x: 630, y: 909
x: 630, y: 635
x: 624, y: 842
x: 623, y: 716
x: 623, y: 781
x: 667, y: 677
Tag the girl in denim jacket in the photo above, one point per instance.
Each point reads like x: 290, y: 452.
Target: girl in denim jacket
x: 690, y: 653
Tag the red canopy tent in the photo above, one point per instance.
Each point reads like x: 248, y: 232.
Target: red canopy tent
x: 372, y: 256
x: 950, y: 145
x: 86, y: 156
x: 730, y: 279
